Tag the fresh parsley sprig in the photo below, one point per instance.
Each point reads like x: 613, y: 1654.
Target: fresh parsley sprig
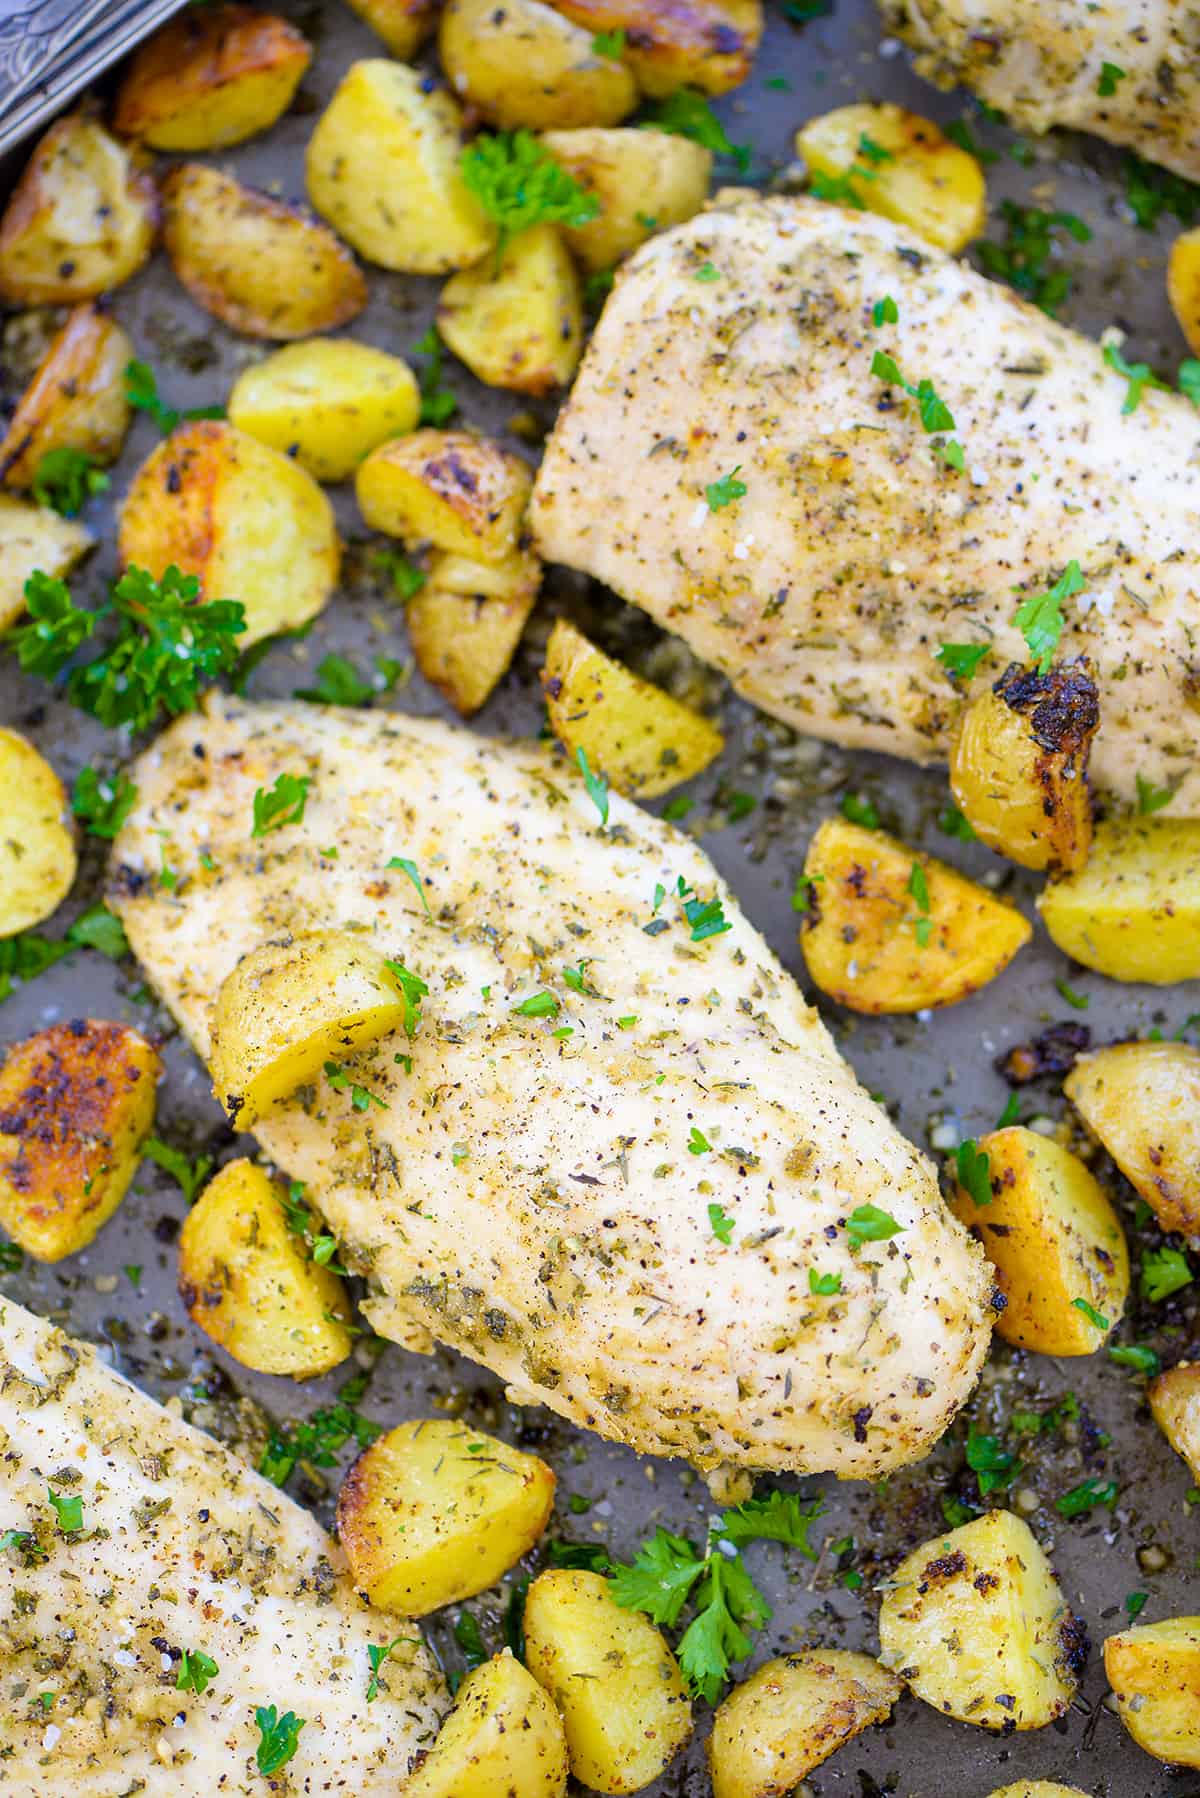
x: 141, y: 391
x: 66, y: 479
x: 936, y: 416
x: 1040, y: 619
x: 102, y: 802
x: 519, y: 183
x: 280, y: 1737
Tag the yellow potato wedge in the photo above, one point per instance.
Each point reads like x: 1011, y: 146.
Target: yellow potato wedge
x: 245, y: 520
x: 1174, y: 1399
x: 383, y: 168
x: 1055, y: 1242
x: 976, y: 1624
x: 503, y: 1739
x: 893, y: 930
x: 900, y: 165
x: 80, y: 221
x: 1133, y: 912
x: 1154, y: 1671
x: 461, y: 493
x: 645, y: 181
x: 1018, y: 765
x: 288, y: 1008
x: 328, y: 403
x: 709, y: 44
x: 262, y: 267
x: 1037, y: 1788
x: 610, y: 1672
x: 525, y: 64
x: 37, y: 843
x: 250, y: 1283
x: 210, y: 77
x: 792, y: 1714
x: 31, y: 538
x: 466, y: 622
x: 518, y: 325
x: 1142, y: 1100
x: 639, y: 738
x: 435, y: 1511
x: 402, y: 24
x: 76, y: 399
x: 1183, y: 285
x: 76, y: 1101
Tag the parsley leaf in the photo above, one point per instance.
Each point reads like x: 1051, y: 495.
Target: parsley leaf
x: 973, y: 1170
x: 1189, y: 379
x: 195, y: 1672
x: 98, y: 929
x: 707, y: 272
x: 377, y: 1654
x: 885, y: 312
x: 952, y: 823
x: 962, y: 658
x: 189, y: 1175
x: 1024, y: 258
x: 65, y: 479
x: 1151, y: 798
x: 1080, y: 1001
x: 1039, y: 617
x: 26, y: 1545
x: 438, y: 405
x: 338, y: 683
x: 319, y: 1439
x: 686, y: 113
x: 411, y: 870
x: 1136, y: 1355
x: 726, y: 1599
x: 1164, y: 1271
x: 869, y: 1224
x: 361, y: 1097
x: 69, y: 1511
x: 722, y: 493
x: 993, y: 1465
x: 56, y: 627
x: 859, y: 810
x: 1090, y: 1312
x: 698, y: 1143
x: 823, y: 1286
x: 660, y: 1579
x: 776, y: 1516
x: 596, y: 785
x: 706, y: 917
x: 102, y: 802
x: 1085, y: 1497
x: 1139, y: 376
x: 414, y: 990
x: 1110, y: 76
x: 610, y: 44
x: 519, y: 183
x: 918, y: 886
x: 280, y: 1737
x: 538, y: 1005
x: 283, y: 803
x: 141, y: 391
x: 721, y: 1224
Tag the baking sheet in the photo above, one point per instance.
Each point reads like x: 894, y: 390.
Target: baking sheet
x: 937, y: 1075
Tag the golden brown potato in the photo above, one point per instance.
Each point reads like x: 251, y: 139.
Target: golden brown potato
x: 435, y: 1511
x: 1154, y: 1671
x: 709, y: 44
x: 893, y: 930
x: 1142, y: 1100
x: 1183, y: 285
x: 519, y: 324
x: 640, y: 739
x: 616, y: 1683
x: 250, y: 1283
x: 327, y: 402
x: 792, y: 1714
x: 402, y: 24
x: 461, y: 493
x: 976, y: 1624
x: 383, y: 168
x: 465, y: 623
x: 503, y: 1739
x: 1133, y: 912
x: 80, y: 221
x: 886, y: 160
x: 1175, y: 1402
x: 1037, y: 1788
x: 1055, y: 1242
x: 1018, y: 765
x: 525, y: 64
x: 76, y: 1100
x: 261, y: 267
x: 76, y: 399
x: 247, y: 521
x: 32, y: 538
x: 37, y: 844
x: 645, y: 181
x: 210, y: 77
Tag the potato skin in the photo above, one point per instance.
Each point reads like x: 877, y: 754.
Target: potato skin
x: 792, y: 1714
x: 461, y: 493
x: 1154, y: 1671
x: 526, y: 64
x: 76, y: 1101
x: 518, y: 325
x: 402, y: 24
x: 637, y: 176
x: 33, y: 537
x: 1142, y: 1100
x: 264, y: 268
x: 1133, y: 912
x: 929, y: 183
x: 328, y: 402
x: 709, y: 44
x: 503, y: 1739
x: 1174, y: 1399
x: 466, y: 622
x: 37, y: 842
x: 76, y: 399
x: 212, y: 76
x: 81, y: 219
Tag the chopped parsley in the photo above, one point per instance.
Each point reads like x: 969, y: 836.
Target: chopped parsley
x: 686, y: 113
x: 1151, y: 798
x: 519, y: 183
x: 538, y: 1005
x: 705, y: 917
x: 1085, y: 1497
x: 280, y: 1737
x: 1090, y: 1312
x: 805, y: 891
x: 962, y: 659
x: 706, y: 272
x: 361, y: 1097
x: 823, y: 1286
x: 1189, y: 379
x: 195, y: 1672
x: 960, y: 133
x: 377, y: 1654
x: 610, y: 44
x: 280, y: 804
x: 141, y: 391
x: 407, y: 577
x: 936, y: 416
x: 1135, y: 1604
x: 68, y: 1511
x: 698, y: 1143
x: 597, y: 786
x: 1164, y: 1271
x: 319, y: 1439
x: 874, y: 153
x: 438, y: 406
x: 102, y: 802
x: 1139, y: 376
x: 918, y: 887
x: 188, y: 1175
x: 25, y: 956
x: 722, y: 493
x: 1039, y: 617
x: 859, y: 810
x: 973, y: 1171
x: 885, y: 312
x: 1111, y: 75
x: 1151, y: 191
x: 410, y: 869
x: 720, y: 1224
x: 65, y: 479
x: 994, y: 1466
x: 1079, y: 1001
x: 952, y: 823
x: 414, y: 989
x: 1136, y: 1355
x: 338, y: 683
x: 1030, y: 246
x: 869, y: 1224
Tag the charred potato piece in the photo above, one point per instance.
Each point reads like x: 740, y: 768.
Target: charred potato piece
x: 250, y: 1283
x: 518, y: 324
x: 76, y: 1102
x: 645, y: 181
x: 37, y: 846
x: 709, y: 44
x: 1055, y: 1242
x: 525, y: 64
x: 33, y: 538
x: 327, y: 402
x: 503, y: 1738
x: 402, y: 24
x: 247, y: 521
x: 461, y: 493
x: 1175, y: 1402
x: 1183, y: 285
x: 1154, y: 1671
x: 898, y: 164
x: 1133, y: 912
x: 896, y: 931
x: 263, y: 268
x: 792, y: 1714
x: 211, y: 77
x: 466, y: 622
x: 1142, y: 1100
x: 1018, y: 766
x: 435, y: 1511
x: 383, y: 168
x: 76, y: 399
x: 976, y: 1624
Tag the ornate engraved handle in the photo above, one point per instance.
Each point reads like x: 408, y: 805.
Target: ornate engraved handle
x: 49, y: 49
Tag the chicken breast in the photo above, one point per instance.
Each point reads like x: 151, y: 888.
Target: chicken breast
x: 614, y: 1197
x: 1044, y: 65
x: 164, y: 1544
x: 826, y: 589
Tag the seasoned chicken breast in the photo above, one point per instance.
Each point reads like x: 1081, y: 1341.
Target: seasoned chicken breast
x: 1045, y: 65
x: 162, y: 1544
x: 618, y: 1144
x: 825, y: 590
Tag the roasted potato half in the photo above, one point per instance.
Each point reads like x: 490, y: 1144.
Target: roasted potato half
x: 886, y: 160
x: 383, y: 168
x: 1142, y: 1100
x: 327, y: 402
x: 288, y: 1008
x: 76, y: 1101
x: 1154, y: 1671
x: 250, y: 1283
x: 465, y: 623
x: 1037, y: 1788
x: 976, y: 1624
x: 1054, y: 1240
x: 792, y: 1714
x: 37, y: 844
x: 518, y: 324
x: 262, y: 267
x: 76, y: 399
x: 1183, y: 285
x: 1018, y: 765
x: 525, y: 64
x: 402, y: 24
x: 610, y: 1672
x: 461, y: 493
x: 435, y: 1511
x: 894, y: 930
x: 503, y: 1739
x: 709, y: 44
x: 32, y: 538
x: 1175, y: 1402
x: 210, y: 77
x: 1133, y: 912
x: 642, y: 740
x: 246, y: 520
x: 80, y: 221
x: 645, y: 181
